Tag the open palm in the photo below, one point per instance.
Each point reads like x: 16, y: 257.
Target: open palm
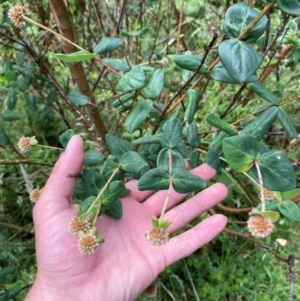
x: 126, y: 263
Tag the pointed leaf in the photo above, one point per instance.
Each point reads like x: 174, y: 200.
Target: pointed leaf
x: 213, y: 159
x: 92, y: 181
x: 133, y: 80
x: 115, y: 211
x: 107, y: 45
x: 74, y: 57
x: 134, y: 164
x: 117, y: 64
x: 154, y: 179
x: 220, y: 124
x: 92, y: 157
x: 239, y: 59
x: 193, y: 98
x: 194, y: 158
x: 189, y: 62
x: 138, y: 115
x: 238, y: 17
x: 134, y: 34
x: 121, y: 101
x: 155, y: 85
x: 287, y: 123
x: 172, y: 135
x: 65, y: 137
x: 277, y: 171
x: 163, y: 159
x: 290, y: 210
x: 110, y: 166
x: 261, y: 91
x: 112, y: 193
x: 118, y: 147
x: 241, y: 151
x: 192, y: 135
x: 259, y: 126
x: 78, y: 99
x: 185, y: 182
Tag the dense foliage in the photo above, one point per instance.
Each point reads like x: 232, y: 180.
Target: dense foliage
x: 151, y: 85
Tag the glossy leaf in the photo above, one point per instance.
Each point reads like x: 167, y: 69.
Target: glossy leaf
x: 134, y: 164
x: 115, y: 211
x: 239, y: 59
x: 213, y: 159
x: 121, y: 100
x: 93, y: 181
x: 172, y: 135
x: 290, y: 6
x: 290, y: 210
x: 65, y: 137
x: 11, y: 99
x: 260, y: 125
x: 189, y: 62
x: 217, y: 122
x: 80, y: 192
x: 216, y: 144
x: 194, y: 158
x: 118, y: 147
x: 138, y: 114
x: 192, y: 135
x: 30, y: 102
x: 133, y: 80
x: 261, y: 91
x: 154, y: 179
x: 117, y: 64
x: 112, y: 193
x: 86, y: 204
x: 140, y: 32
x: 8, y: 115
x: 110, y: 166
x: 185, y: 182
x: 155, y: 85
x: 238, y: 17
x: 3, y: 137
x: 107, y: 45
x: 74, y: 57
x: 163, y: 159
x: 92, y: 157
x: 148, y: 140
x: 277, y: 171
x: 193, y: 98
x: 78, y: 99
x: 241, y: 151
x: 287, y: 123
x: 21, y: 86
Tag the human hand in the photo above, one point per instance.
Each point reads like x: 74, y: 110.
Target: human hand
x: 126, y: 263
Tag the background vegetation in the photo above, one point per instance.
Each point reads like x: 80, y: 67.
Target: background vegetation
x: 44, y: 94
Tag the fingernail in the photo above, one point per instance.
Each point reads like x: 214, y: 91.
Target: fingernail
x: 70, y: 143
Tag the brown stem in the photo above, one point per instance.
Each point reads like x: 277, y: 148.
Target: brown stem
x: 66, y: 28
x: 233, y: 210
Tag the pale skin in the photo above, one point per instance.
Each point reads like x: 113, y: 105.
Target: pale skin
x: 126, y: 263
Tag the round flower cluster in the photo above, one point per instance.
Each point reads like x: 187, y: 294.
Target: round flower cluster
x: 34, y: 195
x: 269, y: 195
x: 157, y: 236
x: 88, y: 244
x: 24, y: 144
x: 260, y: 226
x: 16, y: 14
x: 76, y: 225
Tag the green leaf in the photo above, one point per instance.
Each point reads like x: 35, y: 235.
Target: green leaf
x: 239, y: 59
x: 9, y: 76
x: 140, y: 32
x: 138, y: 115
x: 78, y: 99
x: 86, y: 204
x: 241, y: 151
x: 65, y: 137
x: 134, y: 164
x: 213, y: 159
x: 287, y: 123
x: 220, y: 124
x: 277, y: 171
x: 112, y: 193
x: 121, y: 101
x: 261, y: 91
x: 51, y: 97
x: 238, y: 17
x: 118, y: 147
x: 4, y: 294
x: 107, y: 45
x: 148, y: 140
x: 290, y: 210
x: 216, y: 144
x: 117, y: 64
x: 80, y: 192
x: 291, y: 7
x: 8, y: 274
x: 116, y: 211
x: 4, y: 140
x: 273, y: 216
x: 192, y: 135
x: 154, y: 179
x: 194, y: 158
x: 8, y: 115
x: 155, y: 85
x: 163, y: 159
x: 92, y: 157
x: 18, y: 85
x: 11, y: 99
x: 92, y: 180
x: 13, y: 292
x: 193, y: 98
x: 260, y: 125
x: 172, y: 135
x: 30, y: 102
x: 185, y: 182
x: 74, y: 57
x: 109, y: 167
x: 133, y: 80
x: 189, y: 62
